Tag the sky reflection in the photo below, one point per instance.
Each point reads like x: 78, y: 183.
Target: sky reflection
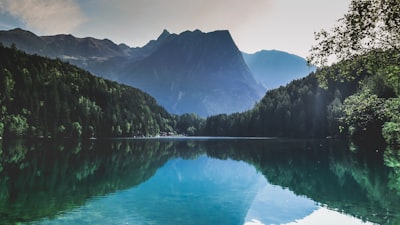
x: 202, y: 191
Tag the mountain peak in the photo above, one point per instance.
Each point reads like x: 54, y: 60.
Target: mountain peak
x: 19, y: 32
x: 274, y: 68
x: 23, y: 39
x: 223, y: 34
x: 195, y: 72
x: 163, y: 35
x: 197, y: 31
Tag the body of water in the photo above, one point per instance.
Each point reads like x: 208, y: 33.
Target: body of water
x: 197, y: 181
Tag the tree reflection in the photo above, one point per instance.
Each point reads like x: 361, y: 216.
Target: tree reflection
x: 44, y: 178
x: 392, y: 160
x: 41, y: 179
x: 356, y: 183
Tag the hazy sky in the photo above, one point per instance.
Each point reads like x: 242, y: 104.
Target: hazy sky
x: 287, y: 25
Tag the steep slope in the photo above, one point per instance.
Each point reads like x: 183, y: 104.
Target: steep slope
x: 274, y: 68
x: 45, y: 97
x: 196, y: 72
x: 193, y: 72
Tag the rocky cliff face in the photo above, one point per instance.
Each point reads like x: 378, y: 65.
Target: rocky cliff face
x: 196, y: 72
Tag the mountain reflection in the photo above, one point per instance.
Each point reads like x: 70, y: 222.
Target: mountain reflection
x: 41, y: 179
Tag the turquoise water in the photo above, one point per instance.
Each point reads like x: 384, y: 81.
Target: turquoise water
x: 196, y: 181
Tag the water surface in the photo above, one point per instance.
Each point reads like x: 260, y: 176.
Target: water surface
x: 197, y: 181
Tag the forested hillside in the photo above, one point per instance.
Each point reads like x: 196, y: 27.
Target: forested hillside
x: 300, y: 109
x: 359, y: 95
x: 367, y: 43
x: 41, y: 97
x: 365, y: 105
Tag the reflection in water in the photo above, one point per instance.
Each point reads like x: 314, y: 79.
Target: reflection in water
x: 328, y: 217
x: 195, y: 182
x: 392, y: 160
x: 274, y: 205
x: 200, y: 191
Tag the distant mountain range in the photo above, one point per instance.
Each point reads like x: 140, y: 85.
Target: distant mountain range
x: 89, y: 53
x: 274, y: 68
x: 191, y: 72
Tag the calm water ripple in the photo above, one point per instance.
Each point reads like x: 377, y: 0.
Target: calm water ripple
x: 196, y: 181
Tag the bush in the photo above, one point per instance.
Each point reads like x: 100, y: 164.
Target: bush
x: 391, y: 129
x: 17, y: 125
x: 391, y: 133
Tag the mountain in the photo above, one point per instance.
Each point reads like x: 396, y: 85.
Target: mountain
x: 191, y: 72
x: 273, y: 68
x: 42, y: 97
x: 100, y: 57
x: 196, y: 72
x: 62, y: 46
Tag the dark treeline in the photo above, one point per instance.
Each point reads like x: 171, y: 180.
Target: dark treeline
x: 41, y: 97
x: 300, y: 109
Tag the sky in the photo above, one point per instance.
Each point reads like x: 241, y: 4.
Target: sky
x: 286, y: 25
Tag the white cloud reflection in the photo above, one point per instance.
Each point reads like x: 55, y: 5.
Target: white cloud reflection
x: 328, y: 217
x: 275, y: 205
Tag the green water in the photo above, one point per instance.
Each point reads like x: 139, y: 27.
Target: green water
x: 197, y: 181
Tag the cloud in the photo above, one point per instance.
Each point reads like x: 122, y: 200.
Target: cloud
x: 45, y: 16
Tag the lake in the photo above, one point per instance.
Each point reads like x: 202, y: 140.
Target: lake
x: 197, y: 181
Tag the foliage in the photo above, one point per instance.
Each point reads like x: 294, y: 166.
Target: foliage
x: 40, y: 97
x: 391, y: 132
x: 373, y: 110
x: 391, y: 74
x: 391, y: 128
x: 189, y: 124
x: 392, y: 160
x: 362, y: 110
x: 16, y: 125
x: 368, y: 25
x: 366, y: 42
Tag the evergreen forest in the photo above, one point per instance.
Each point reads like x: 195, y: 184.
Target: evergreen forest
x: 366, y: 106
x: 42, y: 97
